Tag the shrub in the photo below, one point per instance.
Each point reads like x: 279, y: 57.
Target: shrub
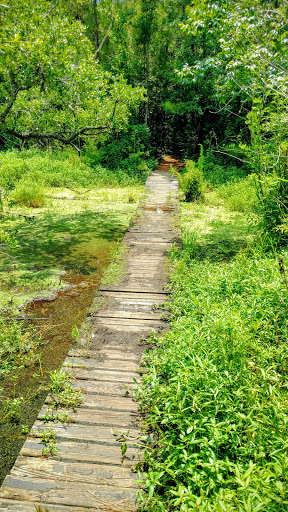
x: 127, y: 153
x: 273, y: 206
x: 191, y: 181
x: 17, y: 346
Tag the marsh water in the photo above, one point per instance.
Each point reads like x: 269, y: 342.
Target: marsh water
x: 55, y: 318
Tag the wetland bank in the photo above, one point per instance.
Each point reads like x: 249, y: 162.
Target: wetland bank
x: 53, y: 257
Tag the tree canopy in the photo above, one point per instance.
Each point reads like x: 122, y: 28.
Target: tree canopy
x: 51, y: 86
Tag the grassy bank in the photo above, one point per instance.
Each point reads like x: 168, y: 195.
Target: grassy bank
x: 215, y: 392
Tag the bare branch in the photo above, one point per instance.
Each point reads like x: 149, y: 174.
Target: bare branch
x: 85, y: 130
x: 51, y: 9
x: 232, y: 156
x: 103, y: 41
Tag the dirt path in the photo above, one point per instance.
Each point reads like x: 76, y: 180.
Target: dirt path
x: 90, y: 472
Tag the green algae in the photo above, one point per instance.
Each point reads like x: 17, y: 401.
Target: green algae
x: 69, y: 233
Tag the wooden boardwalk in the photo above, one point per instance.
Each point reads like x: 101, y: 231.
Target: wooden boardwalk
x: 90, y: 473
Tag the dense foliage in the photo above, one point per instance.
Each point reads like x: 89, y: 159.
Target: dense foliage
x: 51, y: 87
x: 215, y: 386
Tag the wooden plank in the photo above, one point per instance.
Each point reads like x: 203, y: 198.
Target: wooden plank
x: 117, y: 376
x: 78, y: 431
x: 129, y: 321
x: 81, y: 495
x: 125, y: 327
x: 78, y: 362
x: 138, y: 295
x: 130, y: 290
x: 103, y: 387
x: 84, y: 452
x: 127, y: 315
x: 100, y: 474
x: 14, y: 505
x: 113, y: 354
x: 103, y: 354
x: 98, y: 417
x: 106, y: 402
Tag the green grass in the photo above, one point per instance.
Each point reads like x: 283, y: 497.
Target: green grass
x: 240, y: 195
x: 215, y: 391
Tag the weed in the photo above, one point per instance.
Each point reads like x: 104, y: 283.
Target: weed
x: 241, y: 195
x: 50, y: 450
x: 50, y: 415
x: 174, y: 251
x: 189, y: 240
x: 17, y: 347
x: 62, y: 393
x: 191, y: 182
x: 48, y: 438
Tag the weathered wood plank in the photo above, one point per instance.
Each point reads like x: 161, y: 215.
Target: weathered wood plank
x: 78, y: 362
x: 129, y: 322
x: 102, y: 355
x: 103, y: 375
x: 98, y: 417
x: 131, y: 290
x: 133, y: 295
x: 100, y: 474
x: 78, y: 431
x: 12, y: 505
x: 84, y: 452
x: 82, y: 495
x: 127, y: 315
x: 106, y: 402
x: 103, y: 387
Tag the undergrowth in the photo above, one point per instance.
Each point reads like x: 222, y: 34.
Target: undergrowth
x: 240, y: 195
x: 215, y: 391
x: 62, y: 169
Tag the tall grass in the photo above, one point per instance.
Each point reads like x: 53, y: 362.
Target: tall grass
x: 28, y: 193
x: 240, y: 195
x: 215, y: 391
x: 58, y: 169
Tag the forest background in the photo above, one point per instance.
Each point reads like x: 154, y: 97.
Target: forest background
x: 115, y: 79
x: 91, y: 93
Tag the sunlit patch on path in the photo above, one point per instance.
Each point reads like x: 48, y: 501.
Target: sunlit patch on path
x: 91, y: 471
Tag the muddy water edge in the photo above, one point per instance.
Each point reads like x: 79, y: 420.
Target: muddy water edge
x: 53, y: 321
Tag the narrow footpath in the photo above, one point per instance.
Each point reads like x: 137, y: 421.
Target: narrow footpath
x: 90, y: 473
